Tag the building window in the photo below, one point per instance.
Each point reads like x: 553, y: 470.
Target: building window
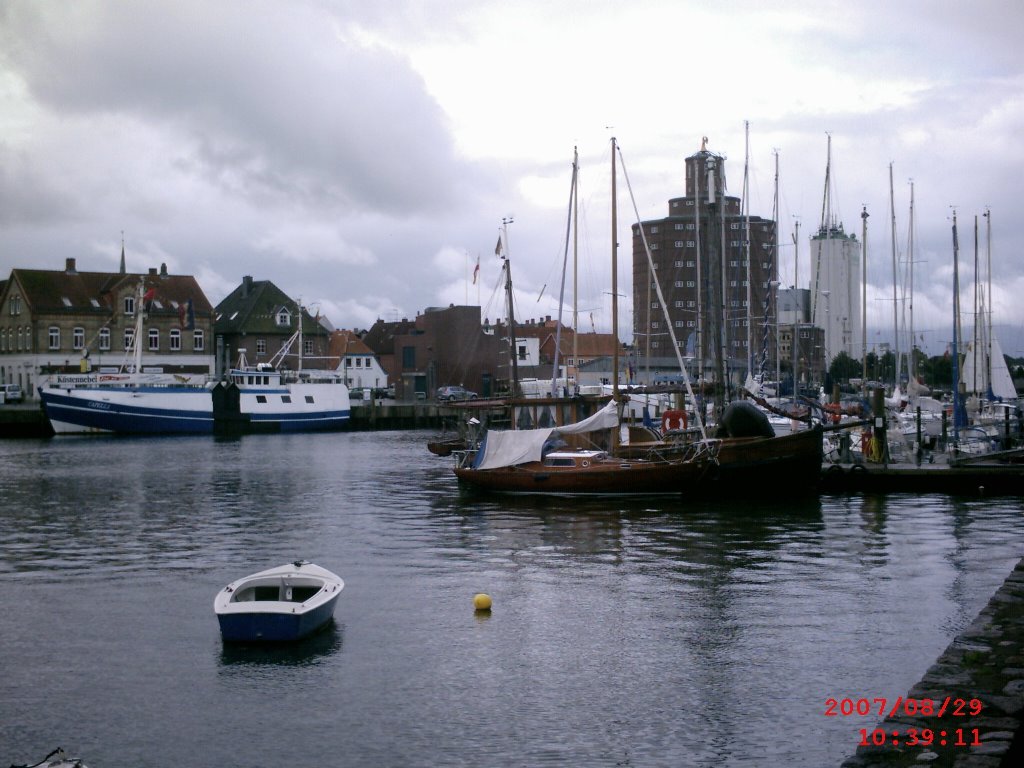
x: 307, y: 347
x: 680, y: 304
x: 655, y: 324
x: 154, y: 340
x: 690, y: 283
x: 679, y: 244
x: 129, y: 305
x: 655, y: 305
x: 284, y: 318
x: 54, y: 337
x: 691, y: 244
x: 78, y: 337
x: 359, y: 362
x: 175, y: 338
x: 104, y: 339
x: 679, y: 284
x: 15, y: 305
x: 678, y: 323
x: 129, y: 335
x: 408, y: 357
x: 198, y: 341
x: 261, y: 346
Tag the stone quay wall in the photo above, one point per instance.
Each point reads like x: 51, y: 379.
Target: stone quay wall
x: 984, y: 663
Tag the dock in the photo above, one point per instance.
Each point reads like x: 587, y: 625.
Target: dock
x: 26, y: 420
x: 990, y: 478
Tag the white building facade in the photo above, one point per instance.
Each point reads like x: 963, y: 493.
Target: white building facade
x: 836, y: 287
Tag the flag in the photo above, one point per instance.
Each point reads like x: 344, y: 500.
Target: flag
x: 497, y: 248
x: 476, y: 270
x: 147, y: 298
x: 186, y: 316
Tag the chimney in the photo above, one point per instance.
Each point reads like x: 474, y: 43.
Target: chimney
x: 152, y: 271
x: 246, y: 286
x: 163, y: 269
x: 69, y: 266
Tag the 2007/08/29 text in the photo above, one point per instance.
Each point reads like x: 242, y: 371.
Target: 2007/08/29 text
x: 879, y: 707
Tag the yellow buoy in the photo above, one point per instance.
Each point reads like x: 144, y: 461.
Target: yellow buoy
x: 482, y: 602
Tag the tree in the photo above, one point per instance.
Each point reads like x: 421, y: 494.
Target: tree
x: 844, y: 368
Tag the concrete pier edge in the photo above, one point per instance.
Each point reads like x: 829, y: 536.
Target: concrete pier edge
x: 984, y: 662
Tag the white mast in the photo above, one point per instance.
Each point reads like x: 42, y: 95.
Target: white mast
x: 746, y: 219
x: 864, y: 300
x: 895, y: 322
x: 912, y: 365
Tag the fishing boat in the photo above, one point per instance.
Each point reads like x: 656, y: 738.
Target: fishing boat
x: 261, y: 398
x: 286, y: 603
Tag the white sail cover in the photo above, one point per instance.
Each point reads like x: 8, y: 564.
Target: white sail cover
x: 975, y: 369
x: 517, y: 446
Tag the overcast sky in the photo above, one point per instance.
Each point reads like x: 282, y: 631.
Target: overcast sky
x: 363, y: 155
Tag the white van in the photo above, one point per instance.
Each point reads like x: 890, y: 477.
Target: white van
x: 10, y: 393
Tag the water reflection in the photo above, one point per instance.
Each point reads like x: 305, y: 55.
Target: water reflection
x: 307, y: 652
x: 722, y: 624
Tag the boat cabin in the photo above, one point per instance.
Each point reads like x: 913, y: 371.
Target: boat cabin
x: 573, y: 458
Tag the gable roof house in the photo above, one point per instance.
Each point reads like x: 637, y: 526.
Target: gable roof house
x: 351, y: 357
x: 262, y: 322
x: 56, y: 322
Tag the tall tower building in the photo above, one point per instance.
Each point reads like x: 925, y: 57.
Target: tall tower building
x: 713, y: 291
x: 835, y: 290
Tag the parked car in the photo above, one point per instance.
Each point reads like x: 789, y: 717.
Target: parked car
x: 11, y: 393
x: 448, y: 394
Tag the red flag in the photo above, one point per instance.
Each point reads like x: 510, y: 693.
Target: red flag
x: 149, y: 294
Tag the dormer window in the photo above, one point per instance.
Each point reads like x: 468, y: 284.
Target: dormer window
x: 95, y: 304
x: 284, y: 317
x: 65, y: 301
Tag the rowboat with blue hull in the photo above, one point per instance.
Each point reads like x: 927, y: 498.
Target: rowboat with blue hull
x: 280, y: 604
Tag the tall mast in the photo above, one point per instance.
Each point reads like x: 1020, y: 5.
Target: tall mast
x: 895, y: 322
x: 864, y: 300
x: 974, y: 345
x: 796, y: 308
x: 511, y: 314
x: 575, y: 274
x: 698, y: 347
x: 912, y: 365
x: 958, y: 406
x: 746, y: 237
x: 561, y: 291
x: 777, y: 281
x: 615, y: 283
x: 988, y: 248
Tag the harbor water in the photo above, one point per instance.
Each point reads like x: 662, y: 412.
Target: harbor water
x: 643, y: 632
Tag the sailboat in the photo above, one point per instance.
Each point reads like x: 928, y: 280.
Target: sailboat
x: 539, y: 461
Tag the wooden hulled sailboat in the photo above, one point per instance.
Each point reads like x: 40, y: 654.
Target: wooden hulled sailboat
x: 538, y: 461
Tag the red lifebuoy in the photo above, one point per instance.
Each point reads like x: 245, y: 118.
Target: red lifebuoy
x: 673, y: 419
x: 835, y: 412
